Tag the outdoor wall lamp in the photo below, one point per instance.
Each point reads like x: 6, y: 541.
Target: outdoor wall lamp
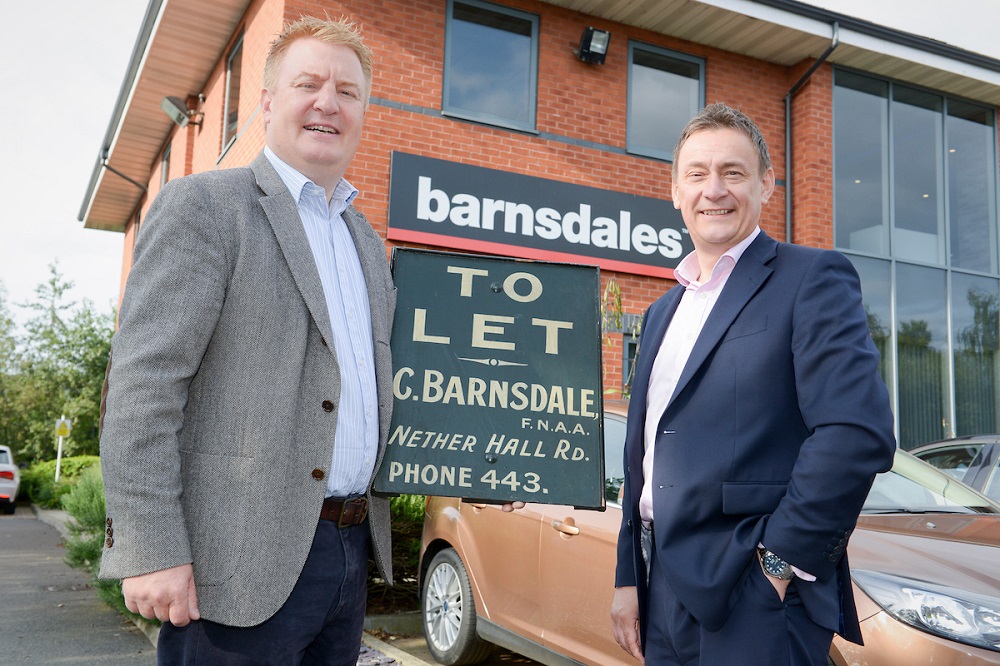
x: 179, y: 112
x: 594, y: 45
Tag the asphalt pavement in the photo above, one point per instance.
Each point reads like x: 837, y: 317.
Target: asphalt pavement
x: 50, y: 614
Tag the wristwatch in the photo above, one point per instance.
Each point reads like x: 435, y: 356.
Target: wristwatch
x: 774, y: 566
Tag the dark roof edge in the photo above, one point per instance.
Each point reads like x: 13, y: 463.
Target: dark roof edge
x: 882, y: 32
x: 141, y: 43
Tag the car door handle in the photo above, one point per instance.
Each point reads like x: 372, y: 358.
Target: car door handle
x: 560, y: 526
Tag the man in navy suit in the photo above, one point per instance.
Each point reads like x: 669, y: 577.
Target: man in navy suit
x: 757, y: 423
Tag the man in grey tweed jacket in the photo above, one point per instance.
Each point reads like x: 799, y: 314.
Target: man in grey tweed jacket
x: 228, y: 395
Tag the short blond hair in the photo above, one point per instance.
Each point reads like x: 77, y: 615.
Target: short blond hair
x: 343, y: 32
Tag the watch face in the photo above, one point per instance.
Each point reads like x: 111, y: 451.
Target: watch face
x: 775, y: 566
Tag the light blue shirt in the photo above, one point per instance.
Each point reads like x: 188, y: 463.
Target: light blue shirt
x: 355, y: 442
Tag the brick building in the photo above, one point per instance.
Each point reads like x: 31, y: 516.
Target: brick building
x: 492, y: 129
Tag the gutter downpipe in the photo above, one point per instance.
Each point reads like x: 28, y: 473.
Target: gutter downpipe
x: 788, y: 127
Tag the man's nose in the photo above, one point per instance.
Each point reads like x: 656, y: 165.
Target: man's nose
x: 715, y: 186
x: 326, y: 101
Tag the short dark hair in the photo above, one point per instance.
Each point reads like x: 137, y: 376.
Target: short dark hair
x: 719, y: 116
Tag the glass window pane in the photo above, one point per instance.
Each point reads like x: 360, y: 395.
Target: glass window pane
x: 234, y: 70
x: 665, y: 91
x: 860, y: 163
x: 921, y: 348
x: 918, y: 215
x: 971, y: 183
x: 975, y: 331
x: 876, y: 296
x: 489, y: 65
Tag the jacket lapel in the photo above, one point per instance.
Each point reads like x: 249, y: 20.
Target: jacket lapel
x: 749, y: 275
x: 283, y: 216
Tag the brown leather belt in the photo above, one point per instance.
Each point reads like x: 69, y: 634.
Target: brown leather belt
x: 344, y: 512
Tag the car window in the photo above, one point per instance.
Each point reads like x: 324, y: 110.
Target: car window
x: 989, y: 460
x: 912, y: 486
x: 4, y: 458
x: 614, y: 447
x: 953, y: 460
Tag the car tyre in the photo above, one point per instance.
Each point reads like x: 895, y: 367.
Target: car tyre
x: 9, y: 507
x: 449, y: 613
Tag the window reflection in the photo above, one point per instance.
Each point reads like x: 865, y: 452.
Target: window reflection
x: 490, y: 64
x: 665, y: 91
x: 918, y: 215
x: 921, y: 352
x: 861, y: 163
x: 971, y: 187
x: 975, y: 330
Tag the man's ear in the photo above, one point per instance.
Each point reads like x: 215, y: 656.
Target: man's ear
x: 768, y: 186
x: 265, y: 105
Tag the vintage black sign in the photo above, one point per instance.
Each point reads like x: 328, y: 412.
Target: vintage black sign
x: 465, y: 207
x: 497, y: 380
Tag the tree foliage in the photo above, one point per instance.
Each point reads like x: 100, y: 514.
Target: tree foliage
x: 52, y: 368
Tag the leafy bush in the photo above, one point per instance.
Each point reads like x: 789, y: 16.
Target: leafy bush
x: 407, y: 513
x: 85, y: 504
x: 39, y: 484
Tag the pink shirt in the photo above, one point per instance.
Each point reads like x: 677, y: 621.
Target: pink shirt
x: 696, y: 304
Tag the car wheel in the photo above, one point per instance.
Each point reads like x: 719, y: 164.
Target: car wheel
x: 9, y: 508
x: 449, y: 613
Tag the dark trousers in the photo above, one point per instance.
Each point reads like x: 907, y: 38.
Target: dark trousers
x: 320, y: 623
x: 761, y: 631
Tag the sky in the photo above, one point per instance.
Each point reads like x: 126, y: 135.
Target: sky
x: 62, y: 69
x: 62, y: 83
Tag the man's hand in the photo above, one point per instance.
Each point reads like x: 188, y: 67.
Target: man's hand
x: 625, y: 618
x: 167, y: 595
x: 511, y: 506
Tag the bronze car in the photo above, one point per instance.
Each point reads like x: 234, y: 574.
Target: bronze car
x: 539, y: 581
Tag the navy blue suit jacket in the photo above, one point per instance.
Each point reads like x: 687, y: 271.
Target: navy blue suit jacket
x: 778, y: 425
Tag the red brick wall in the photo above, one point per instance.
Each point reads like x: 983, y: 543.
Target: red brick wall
x: 575, y: 100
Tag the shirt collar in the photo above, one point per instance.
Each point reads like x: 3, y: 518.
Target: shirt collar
x: 296, y: 182
x: 688, y: 271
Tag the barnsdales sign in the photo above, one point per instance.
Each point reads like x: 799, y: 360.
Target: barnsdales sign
x: 497, y: 380
x: 447, y: 204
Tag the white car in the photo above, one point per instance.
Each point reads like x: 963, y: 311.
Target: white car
x: 10, y: 480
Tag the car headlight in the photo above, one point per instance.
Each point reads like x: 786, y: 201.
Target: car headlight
x: 966, y: 617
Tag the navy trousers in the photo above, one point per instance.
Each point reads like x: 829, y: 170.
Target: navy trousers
x: 320, y: 623
x: 762, y: 630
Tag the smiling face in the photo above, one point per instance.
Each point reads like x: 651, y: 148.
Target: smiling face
x: 314, y: 111
x: 719, y: 189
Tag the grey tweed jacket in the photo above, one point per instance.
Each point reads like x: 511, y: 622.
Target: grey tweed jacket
x: 222, y: 397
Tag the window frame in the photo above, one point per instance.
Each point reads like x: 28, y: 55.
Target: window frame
x: 630, y: 146
x: 229, y: 136
x: 451, y: 110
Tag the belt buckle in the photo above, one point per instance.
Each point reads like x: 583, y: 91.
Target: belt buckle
x: 363, y: 510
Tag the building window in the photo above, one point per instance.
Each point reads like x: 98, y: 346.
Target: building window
x: 231, y: 118
x: 915, y: 208
x: 665, y: 90
x: 165, y: 165
x: 491, y: 64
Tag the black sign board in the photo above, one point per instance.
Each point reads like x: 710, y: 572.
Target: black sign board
x: 497, y: 380
x: 448, y: 204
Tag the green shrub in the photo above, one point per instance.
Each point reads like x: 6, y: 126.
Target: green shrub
x: 85, y: 504
x: 39, y: 484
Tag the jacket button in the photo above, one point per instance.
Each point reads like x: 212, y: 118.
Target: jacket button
x: 108, y: 522
x: 318, y: 474
x: 110, y: 532
x: 109, y: 542
x: 327, y: 406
